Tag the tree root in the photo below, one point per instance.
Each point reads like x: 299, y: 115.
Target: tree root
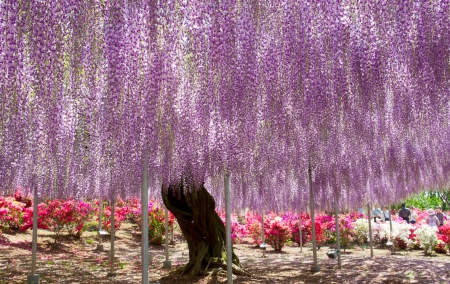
x: 235, y: 269
x: 216, y: 271
x: 215, y: 268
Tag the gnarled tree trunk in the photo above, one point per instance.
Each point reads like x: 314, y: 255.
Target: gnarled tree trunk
x: 203, y: 229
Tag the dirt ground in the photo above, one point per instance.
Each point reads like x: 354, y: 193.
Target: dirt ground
x: 78, y: 261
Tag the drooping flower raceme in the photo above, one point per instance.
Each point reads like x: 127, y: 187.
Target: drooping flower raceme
x: 89, y: 89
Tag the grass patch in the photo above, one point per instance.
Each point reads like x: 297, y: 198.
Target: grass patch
x: 90, y: 226
x: 90, y: 241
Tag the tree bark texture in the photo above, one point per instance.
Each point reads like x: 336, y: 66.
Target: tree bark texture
x: 201, y: 226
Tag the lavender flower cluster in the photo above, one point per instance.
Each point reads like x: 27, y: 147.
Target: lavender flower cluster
x: 358, y: 89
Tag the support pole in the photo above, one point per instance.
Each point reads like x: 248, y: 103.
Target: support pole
x: 167, y: 263
x: 263, y: 237
x: 34, y: 278
x: 338, y: 241
x: 228, y: 229
x: 390, y: 220
x: 100, y: 216
x: 100, y: 213
x: 300, y: 233
x: 111, y: 272
x: 263, y: 245
x: 315, y: 267
x: 390, y: 234
x: 144, y: 223
x: 369, y: 215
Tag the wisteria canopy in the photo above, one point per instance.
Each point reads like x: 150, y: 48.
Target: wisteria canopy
x: 359, y: 90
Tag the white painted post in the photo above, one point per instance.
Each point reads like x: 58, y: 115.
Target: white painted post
x: 315, y: 267
x: 34, y: 278
x: 100, y: 216
x: 263, y: 245
x: 228, y: 229
x: 263, y: 238
x: 167, y: 263
x: 390, y: 234
x: 144, y: 223
x: 338, y: 241
x: 111, y: 272
x: 390, y: 220
x: 300, y: 229
x: 369, y: 215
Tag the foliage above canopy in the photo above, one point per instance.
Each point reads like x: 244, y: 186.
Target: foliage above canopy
x: 360, y: 89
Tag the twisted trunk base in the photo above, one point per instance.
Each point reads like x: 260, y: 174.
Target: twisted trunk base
x: 202, y: 228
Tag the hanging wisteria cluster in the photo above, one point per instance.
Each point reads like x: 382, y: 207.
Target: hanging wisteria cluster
x: 358, y: 90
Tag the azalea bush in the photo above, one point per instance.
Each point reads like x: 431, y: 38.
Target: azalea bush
x: 295, y: 232
x: 327, y: 227
x: 238, y: 231
x: 360, y: 231
x: 277, y: 233
x: 427, y: 238
x: 253, y: 227
x: 414, y: 241
x: 293, y: 222
x: 441, y: 245
x: 321, y: 235
x: 345, y: 230
x: 156, y: 222
x: 400, y: 235
x: 59, y: 216
x: 20, y: 196
x: 445, y: 232
x: 121, y: 212
x: 70, y: 215
x: 134, y: 210
x: 381, y: 232
x: 11, y: 213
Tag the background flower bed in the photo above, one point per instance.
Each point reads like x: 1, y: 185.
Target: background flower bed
x: 72, y: 217
x: 77, y: 261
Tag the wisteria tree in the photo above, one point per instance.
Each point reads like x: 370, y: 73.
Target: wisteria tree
x: 359, y: 90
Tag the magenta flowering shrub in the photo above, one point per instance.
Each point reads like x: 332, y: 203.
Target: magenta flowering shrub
x: 156, y: 222
x: 253, y: 227
x: 134, y: 209
x: 11, y: 210
x: 59, y: 216
x: 28, y: 217
x: 121, y: 212
x: 255, y: 231
x: 321, y: 235
x: 19, y: 196
x: 238, y: 231
x: 11, y: 213
x: 327, y: 225
x: 295, y: 230
x: 278, y: 233
x: 441, y: 245
x: 356, y: 215
x: 345, y: 230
